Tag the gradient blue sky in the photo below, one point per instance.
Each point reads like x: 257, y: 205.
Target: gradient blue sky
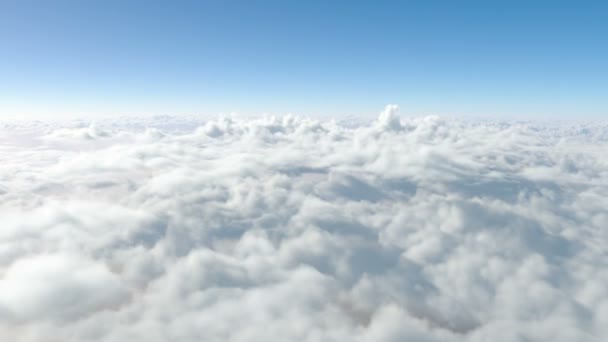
x: 524, y: 59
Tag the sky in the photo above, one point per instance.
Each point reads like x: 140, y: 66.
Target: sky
x: 512, y: 59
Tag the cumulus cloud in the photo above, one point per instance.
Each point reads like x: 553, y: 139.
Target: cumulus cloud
x: 294, y: 229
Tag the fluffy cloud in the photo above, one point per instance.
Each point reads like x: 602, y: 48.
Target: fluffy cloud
x: 293, y: 229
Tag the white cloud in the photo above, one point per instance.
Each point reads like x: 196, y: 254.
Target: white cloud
x: 292, y: 229
x: 55, y: 287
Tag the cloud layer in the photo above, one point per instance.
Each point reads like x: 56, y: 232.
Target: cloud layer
x: 292, y: 229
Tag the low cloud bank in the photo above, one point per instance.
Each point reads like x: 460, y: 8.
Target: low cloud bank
x: 292, y: 229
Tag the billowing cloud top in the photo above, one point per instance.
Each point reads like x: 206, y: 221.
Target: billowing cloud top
x: 292, y: 229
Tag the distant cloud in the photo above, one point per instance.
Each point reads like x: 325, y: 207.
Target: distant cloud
x: 292, y: 229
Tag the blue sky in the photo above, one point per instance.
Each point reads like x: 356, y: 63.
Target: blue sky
x: 524, y: 59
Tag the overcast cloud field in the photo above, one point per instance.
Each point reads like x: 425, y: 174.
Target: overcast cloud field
x: 293, y: 229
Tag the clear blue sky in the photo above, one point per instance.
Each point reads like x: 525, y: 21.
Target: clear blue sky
x: 535, y: 59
